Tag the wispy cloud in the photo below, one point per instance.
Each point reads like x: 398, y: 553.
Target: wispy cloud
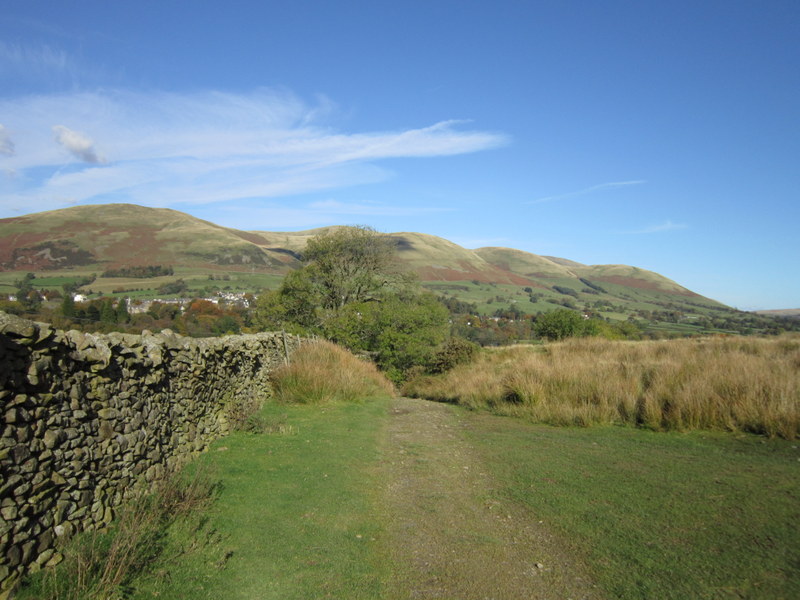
x: 6, y: 145
x: 271, y: 214
x: 33, y: 62
x: 665, y: 226
x: 347, y: 208
x: 589, y: 190
x: 169, y: 148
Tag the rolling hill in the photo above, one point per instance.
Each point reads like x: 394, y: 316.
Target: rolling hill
x: 111, y: 236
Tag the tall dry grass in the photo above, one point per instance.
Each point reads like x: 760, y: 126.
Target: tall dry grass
x: 736, y: 384
x: 321, y: 371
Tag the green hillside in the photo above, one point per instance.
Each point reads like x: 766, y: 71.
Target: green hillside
x: 64, y: 245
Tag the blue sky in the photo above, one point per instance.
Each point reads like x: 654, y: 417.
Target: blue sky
x: 664, y: 135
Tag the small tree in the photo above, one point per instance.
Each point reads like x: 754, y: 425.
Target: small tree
x: 68, y: 306
x: 107, y: 313
x: 123, y: 316
x: 350, y: 292
x: 27, y: 296
x: 344, y: 266
x: 559, y: 324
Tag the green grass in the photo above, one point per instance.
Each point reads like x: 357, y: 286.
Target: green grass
x: 295, y: 516
x: 698, y: 515
x: 653, y: 515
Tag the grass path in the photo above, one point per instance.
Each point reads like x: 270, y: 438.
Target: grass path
x: 383, y: 500
x: 450, y: 535
x: 295, y: 515
x: 405, y: 499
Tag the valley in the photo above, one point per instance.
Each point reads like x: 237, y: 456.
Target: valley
x: 98, y: 244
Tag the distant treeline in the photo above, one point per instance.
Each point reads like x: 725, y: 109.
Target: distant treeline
x: 593, y: 286
x: 143, y: 272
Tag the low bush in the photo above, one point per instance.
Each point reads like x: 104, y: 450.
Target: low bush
x: 321, y: 371
x: 455, y: 351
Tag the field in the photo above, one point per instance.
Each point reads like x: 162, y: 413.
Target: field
x: 199, y: 281
x: 659, y: 515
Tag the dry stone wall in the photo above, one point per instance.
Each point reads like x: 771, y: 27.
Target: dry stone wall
x: 87, y: 418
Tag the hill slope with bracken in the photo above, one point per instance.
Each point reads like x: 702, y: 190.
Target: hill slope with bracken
x: 116, y: 235
x: 111, y: 236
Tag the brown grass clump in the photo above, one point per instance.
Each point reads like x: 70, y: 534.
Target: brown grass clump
x: 735, y: 384
x: 324, y: 372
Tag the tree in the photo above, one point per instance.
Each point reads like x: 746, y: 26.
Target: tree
x: 27, y: 296
x: 559, y: 324
x: 349, y: 264
x: 68, y: 306
x: 123, y: 316
x: 107, y: 313
x: 351, y: 292
x: 93, y: 312
x: 342, y: 266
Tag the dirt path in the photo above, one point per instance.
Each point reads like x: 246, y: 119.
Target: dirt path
x: 451, y: 536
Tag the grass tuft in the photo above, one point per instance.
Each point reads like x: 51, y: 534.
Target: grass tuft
x: 733, y: 384
x: 323, y: 372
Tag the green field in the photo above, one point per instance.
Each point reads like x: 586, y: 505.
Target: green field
x: 702, y: 515
x: 198, y: 281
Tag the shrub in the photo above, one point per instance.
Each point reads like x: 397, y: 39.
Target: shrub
x: 455, y: 351
x: 592, y: 285
x: 399, y: 332
x: 559, y: 324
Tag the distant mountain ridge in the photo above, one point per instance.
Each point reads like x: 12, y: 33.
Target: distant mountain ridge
x: 123, y: 235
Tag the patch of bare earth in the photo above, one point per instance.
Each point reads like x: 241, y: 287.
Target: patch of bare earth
x: 450, y: 533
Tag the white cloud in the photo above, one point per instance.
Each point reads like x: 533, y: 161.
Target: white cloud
x: 77, y: 144
x: 170, y: 148
x: 6, y: 145
x: 589, y: 190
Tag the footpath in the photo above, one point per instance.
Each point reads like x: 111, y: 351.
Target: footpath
x: 451, y: 534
